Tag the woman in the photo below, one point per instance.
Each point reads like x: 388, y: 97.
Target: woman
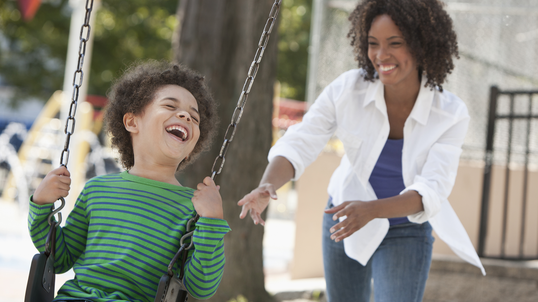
x: 402, y: 134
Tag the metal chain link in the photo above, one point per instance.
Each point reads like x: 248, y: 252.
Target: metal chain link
x: 77, y: 83
x: 238, y: 112
x: 230, y: 131
x: 252, y: 71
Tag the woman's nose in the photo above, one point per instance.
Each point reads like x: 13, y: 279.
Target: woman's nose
x: 382, y: 54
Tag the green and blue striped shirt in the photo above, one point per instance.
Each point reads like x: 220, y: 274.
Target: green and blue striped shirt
x: 121, y: 235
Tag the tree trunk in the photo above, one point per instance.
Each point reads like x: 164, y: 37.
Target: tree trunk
x: 219, y: 39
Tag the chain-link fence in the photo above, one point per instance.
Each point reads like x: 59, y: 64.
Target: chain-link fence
x: 498, y: 44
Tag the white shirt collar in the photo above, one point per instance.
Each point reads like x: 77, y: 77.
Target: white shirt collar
x: 421, y: 109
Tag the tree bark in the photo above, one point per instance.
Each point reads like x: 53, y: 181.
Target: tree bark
x: 219, y: 39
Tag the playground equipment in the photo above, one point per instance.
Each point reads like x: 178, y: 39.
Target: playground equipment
x: 36, y: 154
x: 40, y: 287
x: 9, y: 155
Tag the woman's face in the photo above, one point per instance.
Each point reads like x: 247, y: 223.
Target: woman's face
x: 389, y: 53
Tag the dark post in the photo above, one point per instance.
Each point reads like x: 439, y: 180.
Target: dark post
x: 525, y: 181
x: 507, y: 174
x: 493, y: 95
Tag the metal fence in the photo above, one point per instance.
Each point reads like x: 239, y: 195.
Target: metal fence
x: 515, y: 195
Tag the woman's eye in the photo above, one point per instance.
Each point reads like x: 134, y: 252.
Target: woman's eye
x: 196, y: 119
x: 170, y: 106
x: 372, y: 43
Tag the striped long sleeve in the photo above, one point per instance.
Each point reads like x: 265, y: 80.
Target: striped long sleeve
x: 121, y: 235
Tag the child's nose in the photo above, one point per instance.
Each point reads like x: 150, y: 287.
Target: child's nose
x: 184, y: 115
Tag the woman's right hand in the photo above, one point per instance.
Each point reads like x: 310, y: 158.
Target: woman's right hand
x: 256, y: 201
x: 55, y: 185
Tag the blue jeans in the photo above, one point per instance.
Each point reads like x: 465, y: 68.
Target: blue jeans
x: 399, y: 266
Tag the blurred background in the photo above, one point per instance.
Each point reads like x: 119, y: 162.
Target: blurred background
x: 496, y: 192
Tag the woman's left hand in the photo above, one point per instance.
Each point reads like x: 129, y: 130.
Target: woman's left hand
x: 357, y: 213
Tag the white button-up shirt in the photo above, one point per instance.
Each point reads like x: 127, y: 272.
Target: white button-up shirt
x: 355, y: 110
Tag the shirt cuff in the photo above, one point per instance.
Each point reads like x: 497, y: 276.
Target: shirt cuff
x: 291, y: 155
x: 40, y: 208
x: 430, y: 201
x: 214, y: 224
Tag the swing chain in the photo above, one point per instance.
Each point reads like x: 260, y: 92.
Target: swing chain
x: 228, y: 137
x: 238, y: 112
x: 77, y: 83
x: 252, y: 71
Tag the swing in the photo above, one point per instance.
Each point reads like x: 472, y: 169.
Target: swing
x: 41, y: 279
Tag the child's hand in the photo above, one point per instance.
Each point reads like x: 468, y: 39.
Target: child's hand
x: 207, y: 200
x: 55, y: 185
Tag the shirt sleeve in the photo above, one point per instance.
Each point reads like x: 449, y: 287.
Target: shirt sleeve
x: 438, y: 175
x: 303, y: 142
x: 70, y: 239
x: 205, y: 263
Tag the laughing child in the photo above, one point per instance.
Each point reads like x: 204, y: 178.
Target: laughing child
x: 125, y: 228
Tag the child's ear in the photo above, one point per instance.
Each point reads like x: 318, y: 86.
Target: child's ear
x: 130, y: 122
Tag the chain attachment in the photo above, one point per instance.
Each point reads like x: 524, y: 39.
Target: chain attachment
x: 252, y: 72
x: 77, y: 83
x: 218, y: 164
x: 165, y: 283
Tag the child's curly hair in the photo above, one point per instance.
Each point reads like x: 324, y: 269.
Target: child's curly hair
x: 136, y: 88
x: 426, y: 27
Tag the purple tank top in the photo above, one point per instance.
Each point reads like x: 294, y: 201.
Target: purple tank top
x: 386, y: 178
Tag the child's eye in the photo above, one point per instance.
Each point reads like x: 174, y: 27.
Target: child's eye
x: 195, y: 119
x: 171, y: 106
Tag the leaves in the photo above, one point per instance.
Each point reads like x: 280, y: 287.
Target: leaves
x: 294, y: 35
x: 33, y: 54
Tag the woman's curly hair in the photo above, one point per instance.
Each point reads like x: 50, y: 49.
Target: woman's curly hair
x: 426, y: 27
x: 136, y: 88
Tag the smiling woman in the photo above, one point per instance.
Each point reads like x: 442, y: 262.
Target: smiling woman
x: 390, y: 55
x: 426, y: 29
x: 402, y: 134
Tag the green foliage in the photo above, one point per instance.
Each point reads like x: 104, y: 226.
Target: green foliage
x: 316, y: 295
x: 294, y: 35
x: 33, y: 54
x: 239, y: 298
x: 127, y: 31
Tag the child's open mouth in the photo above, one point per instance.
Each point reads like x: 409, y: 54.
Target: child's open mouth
x: 178, y: 131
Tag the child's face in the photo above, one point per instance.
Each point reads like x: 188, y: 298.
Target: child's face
x: 169, y: 126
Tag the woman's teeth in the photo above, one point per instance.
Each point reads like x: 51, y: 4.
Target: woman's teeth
x: 387, y: 68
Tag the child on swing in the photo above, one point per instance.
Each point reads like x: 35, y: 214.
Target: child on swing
x: 125, y: 228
